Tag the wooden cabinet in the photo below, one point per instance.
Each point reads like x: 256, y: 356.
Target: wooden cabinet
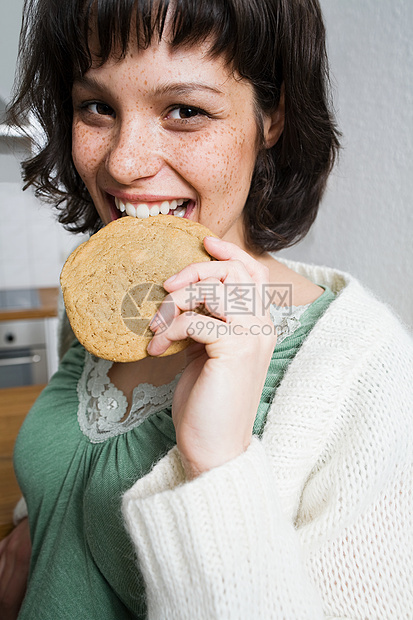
x: 14, y: 406
x: 28, y: 336
x: 15, y: 402
x: 47, y: 307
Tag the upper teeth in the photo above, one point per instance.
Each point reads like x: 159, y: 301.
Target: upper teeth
x: 143, y: 210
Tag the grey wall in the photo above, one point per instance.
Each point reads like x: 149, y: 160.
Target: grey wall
x: 33, y: 246
x: 11, y: 151
x: 365, y: 224
x: 10, y: 11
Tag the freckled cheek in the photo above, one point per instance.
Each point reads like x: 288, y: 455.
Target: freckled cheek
x: 229, y: 174
x: 213, y: 164
x: 88, y: 150
x: 221, y: 179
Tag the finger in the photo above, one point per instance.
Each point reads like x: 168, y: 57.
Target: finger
x: 210, y: 293
x: 176, y: 303
x: 223, y: 301
x: 233, y: 263
x: 194, y: 351
x: 225, y: 250
x: 202, y: 329
x: 224, y: 271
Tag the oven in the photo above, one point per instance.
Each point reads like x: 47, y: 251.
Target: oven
x: 23, y: 357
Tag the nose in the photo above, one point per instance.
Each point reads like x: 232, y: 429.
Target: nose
x: 134, y: 153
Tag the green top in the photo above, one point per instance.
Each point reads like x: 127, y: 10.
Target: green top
x: 83, y: 563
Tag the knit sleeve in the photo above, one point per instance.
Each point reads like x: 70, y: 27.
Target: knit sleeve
x: 219, y: 546
x: 222, y: 547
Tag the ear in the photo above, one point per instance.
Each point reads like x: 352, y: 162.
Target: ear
x: 274, y: 123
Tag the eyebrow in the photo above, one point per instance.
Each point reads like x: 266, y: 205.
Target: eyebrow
x: 168, y: 88
x: 186, y: 88
x: 89, y: 82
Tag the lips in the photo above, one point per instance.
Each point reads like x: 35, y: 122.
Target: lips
x: 179, y: 207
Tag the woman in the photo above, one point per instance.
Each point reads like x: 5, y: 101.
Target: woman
x: 278, y: 486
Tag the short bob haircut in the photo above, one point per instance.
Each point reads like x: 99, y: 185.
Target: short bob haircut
x: 268, y: 42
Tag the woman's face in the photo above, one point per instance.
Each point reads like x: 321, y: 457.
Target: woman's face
x: 161, y: 126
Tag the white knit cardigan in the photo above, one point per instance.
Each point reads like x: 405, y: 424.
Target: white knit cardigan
x: 314, y: 520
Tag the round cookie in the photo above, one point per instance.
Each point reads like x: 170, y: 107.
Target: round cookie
x: 112, y: 283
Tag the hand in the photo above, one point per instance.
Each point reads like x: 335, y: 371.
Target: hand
x: 15, y: 551
x: 217, y: 397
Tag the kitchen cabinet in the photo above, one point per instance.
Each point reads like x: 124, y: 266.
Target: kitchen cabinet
x: 15, y: 402
x: 28, y: 336
x: 14, y: 406
x: 45, y: 306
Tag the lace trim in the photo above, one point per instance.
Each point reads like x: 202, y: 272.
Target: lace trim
x: 286, y: 320
x: 102, y: 406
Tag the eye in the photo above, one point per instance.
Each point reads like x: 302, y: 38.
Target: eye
x: 182, y: 112
x: 98, y: 108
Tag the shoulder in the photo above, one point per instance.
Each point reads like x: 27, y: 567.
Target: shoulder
x: 355, y: 306
x: 301, y: 290
x: 69, y: 371
x: 347, y: 394
x: 357, y: 331
x: 357, y: 361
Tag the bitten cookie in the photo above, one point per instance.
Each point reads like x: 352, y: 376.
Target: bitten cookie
x: 112, y: 284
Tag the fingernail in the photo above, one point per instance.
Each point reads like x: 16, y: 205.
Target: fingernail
x: 154, y: 321
x: 171, y: 279
x: 212, y: 238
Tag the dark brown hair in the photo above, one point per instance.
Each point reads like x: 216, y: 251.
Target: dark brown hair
x: 268, y: 42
